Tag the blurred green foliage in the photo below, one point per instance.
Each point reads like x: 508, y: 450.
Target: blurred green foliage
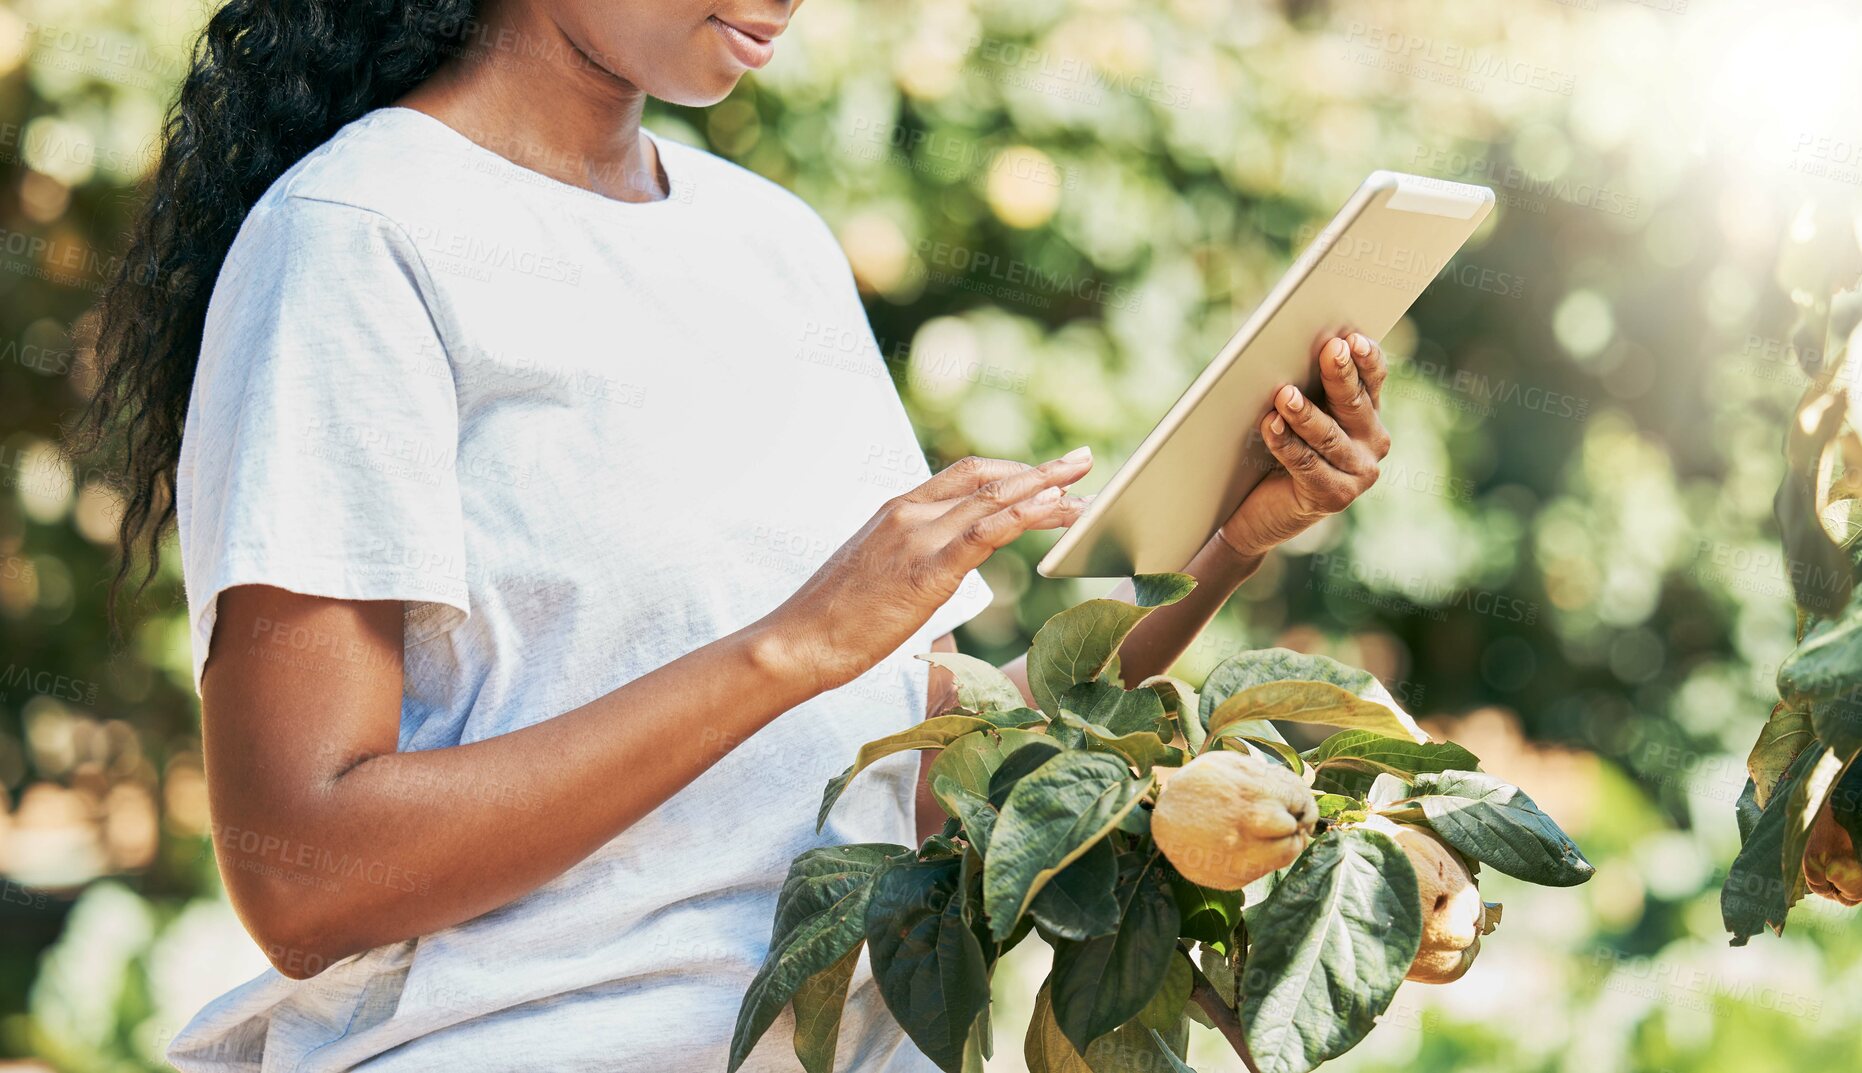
x: 1057, y: 212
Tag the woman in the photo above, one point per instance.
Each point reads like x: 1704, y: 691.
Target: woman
x: 536, y: 588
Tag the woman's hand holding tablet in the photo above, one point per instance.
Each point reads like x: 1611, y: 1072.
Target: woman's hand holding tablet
x: 1327, y: 450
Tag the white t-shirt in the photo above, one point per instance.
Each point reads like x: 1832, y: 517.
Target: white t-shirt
x: 580, y: 438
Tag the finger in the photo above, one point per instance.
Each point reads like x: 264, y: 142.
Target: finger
x: 1005, y: 492
x: 962, y: 477
x: 1369, y: 359
x: 1319, y: 430
x: 1047, y: 509
x: 1321, y: 482
x: 1344, y: 391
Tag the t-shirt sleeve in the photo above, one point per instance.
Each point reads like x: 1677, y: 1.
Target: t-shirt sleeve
x: 322, y: 433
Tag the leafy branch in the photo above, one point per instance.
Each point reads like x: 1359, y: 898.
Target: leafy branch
x: 1130, y: 827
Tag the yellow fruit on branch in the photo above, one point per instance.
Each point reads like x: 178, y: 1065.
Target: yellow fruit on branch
x: 1830, y: 865
x: 1453, y: 916
x: 1227, y: 819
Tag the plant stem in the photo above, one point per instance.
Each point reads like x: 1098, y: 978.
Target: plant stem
x: 1203, y: 993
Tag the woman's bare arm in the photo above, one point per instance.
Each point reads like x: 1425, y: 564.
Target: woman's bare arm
x: 1167, y: 632
x: 1326, y: 455
x: 332, y: 842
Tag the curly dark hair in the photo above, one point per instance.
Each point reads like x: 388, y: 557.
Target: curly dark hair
x: 270, y: 80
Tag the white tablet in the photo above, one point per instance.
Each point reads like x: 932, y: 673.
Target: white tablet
x: 1361, y: 273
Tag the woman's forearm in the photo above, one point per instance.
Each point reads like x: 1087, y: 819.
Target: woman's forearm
x: 398, y: 844
x: 1166, y: 633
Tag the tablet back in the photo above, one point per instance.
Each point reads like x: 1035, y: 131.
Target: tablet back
x: 1361, y: 273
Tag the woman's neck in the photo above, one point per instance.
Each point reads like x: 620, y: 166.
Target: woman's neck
x: 522, y: 88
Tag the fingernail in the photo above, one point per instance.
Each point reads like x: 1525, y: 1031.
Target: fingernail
x: 1047, y: 495
x: 1279, y: 425
x: 1294, y: 401
x: 1341, y: 357
x: 1078, y: 454
x: 1338, y: 349
x: 1360, y: 345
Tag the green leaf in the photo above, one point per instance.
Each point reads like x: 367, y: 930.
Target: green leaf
x: 1180, y: 702
x: 1331, y: 806
x: 1312, y: 702
x: 1784, y: 736
x: 1165, y: 1010
x: 818, y: 1005
x: 1143, y: 749
x: 1048, y: 820
x: 1348, y: 761
x: 979, y: 1044
x: 1806, y: 800
x: 1101, y: 983
x: 976, y: 814
x: 1080, y: 903
x: 820, y: 915
x: 1176, y: 694
x: 1015, y: 718
x: 971, y: 760
x: 934, y: 733
x: 1815, y: 564
x: 1078, y: 644
x: 1045, y: 1049
x: 1846, y: 802
x: 1829, y: 661
x: 1756, y: 891
x: 1385, y: 791
x: 1266, y: 748
x: 1223, y: 971
x: 1172, y: 1055
x: 1134, y: 1048
x: 1333, y: 943
x: 981, y: 685
x: 1746, y: 811
x: 1837, y: 723
x: 1160, y: 590
x: 1019, y: 765
x: 1208, y: 916
x: 1494, y: 822
x: 1276, y: 683
x: 926, y: 960
x: 1119, y: 711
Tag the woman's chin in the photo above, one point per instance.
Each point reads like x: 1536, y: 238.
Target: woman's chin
x: 702, y: 88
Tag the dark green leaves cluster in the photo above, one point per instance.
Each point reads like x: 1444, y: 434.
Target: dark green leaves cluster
x: 1807, y: 749
x: 1049, y: 833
